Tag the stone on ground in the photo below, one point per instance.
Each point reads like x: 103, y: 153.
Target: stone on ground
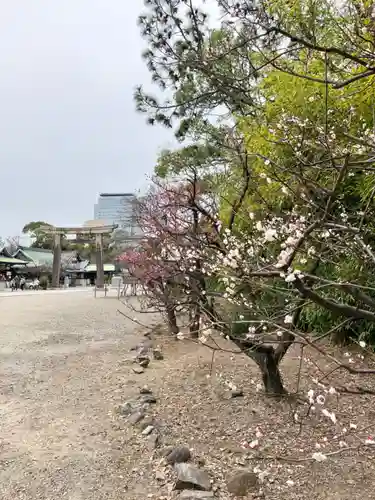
x: 145, y: 390
x: 242, y: 483
x: 149, y: 399
x: 125, y: 409
x: 236, y: 393
x: 158, y: 355
x: 196, y: 495
x: 138, y: 369
x: 190, y: 477
x: 136, y: 417
x: 154, y: 441
x: 144, y: 362
x: 178, y: 455
x: 148, y: 430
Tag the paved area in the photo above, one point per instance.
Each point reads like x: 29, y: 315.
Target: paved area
x: 27, y: 293
x: 63, y: 368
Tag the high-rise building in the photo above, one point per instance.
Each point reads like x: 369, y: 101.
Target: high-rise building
x: 118, y: 208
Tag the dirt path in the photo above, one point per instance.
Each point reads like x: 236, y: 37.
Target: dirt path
x: 62, y: 370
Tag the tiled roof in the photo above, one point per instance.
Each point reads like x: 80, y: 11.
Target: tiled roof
x: 11, y: 260
x: 4, y: 252
x: 38, y: 256
x: 41, y: 256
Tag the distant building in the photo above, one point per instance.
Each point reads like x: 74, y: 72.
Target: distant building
x: 120, y: 209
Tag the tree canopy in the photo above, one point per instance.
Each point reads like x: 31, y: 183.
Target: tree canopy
x: 273, y: 104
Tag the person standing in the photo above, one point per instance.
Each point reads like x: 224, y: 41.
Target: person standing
x: 22, y: 283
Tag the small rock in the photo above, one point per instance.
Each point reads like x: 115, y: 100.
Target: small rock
x: 178, y: 455
x: 160, y: 475
x: 125, y: 409
x: 138, y: 369
x: 149, y: 399
x: 243, y: 482
x: 147, y: 431
x: 157, y: 354
x: 147, y: 422
x: 144, y: 362
x: 154, y: 441
x: 189, y: 476
x: 237, y: 393
x: 136, y: 417
x: 166, y: 451
x: 145, y: 390
x: 196, y: 495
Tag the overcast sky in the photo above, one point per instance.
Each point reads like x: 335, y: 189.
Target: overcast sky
x: 68, y: 125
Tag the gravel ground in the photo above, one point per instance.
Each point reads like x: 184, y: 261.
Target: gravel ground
x: 66, y: 367
x: 63, y: 369
x: 255, y: 432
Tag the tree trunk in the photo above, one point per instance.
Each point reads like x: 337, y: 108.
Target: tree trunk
x: 172, y: 320
x: 271, y: 376
x: 266, y: 357
x: 194, y: 321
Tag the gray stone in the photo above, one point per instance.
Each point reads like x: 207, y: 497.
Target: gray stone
x: 146, y: 422
x: 147, y: 431
x: 196, y: 495
x: 189, y: 476
x: 154, y: 441
x: 142, y: 348
x: 178, y: 455
x: 145, y: 390
x: 149, y: 399
x: 160, y: 475
x: 242, y: 483
x: 166, y: 451
x: 125, y: 409
x: 237, y: 393
x: 138, y: 369
x: 136, y: 417
x: 157, y: 354
x: 144, y: 362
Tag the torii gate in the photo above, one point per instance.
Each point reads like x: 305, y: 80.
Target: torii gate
x: 97, y: 231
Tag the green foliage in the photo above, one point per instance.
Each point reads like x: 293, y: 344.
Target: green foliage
x: 311, y: 79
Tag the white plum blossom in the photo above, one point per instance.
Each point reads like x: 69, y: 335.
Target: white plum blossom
x: 258, y: 433
x: 329, y: 415
x: 290, y: 278
x: 270, y: 234
x: 362, y: 344
x: 288, y: 320
x: 320, y: 399
x: 319, y: 457
x: 310, y: 395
